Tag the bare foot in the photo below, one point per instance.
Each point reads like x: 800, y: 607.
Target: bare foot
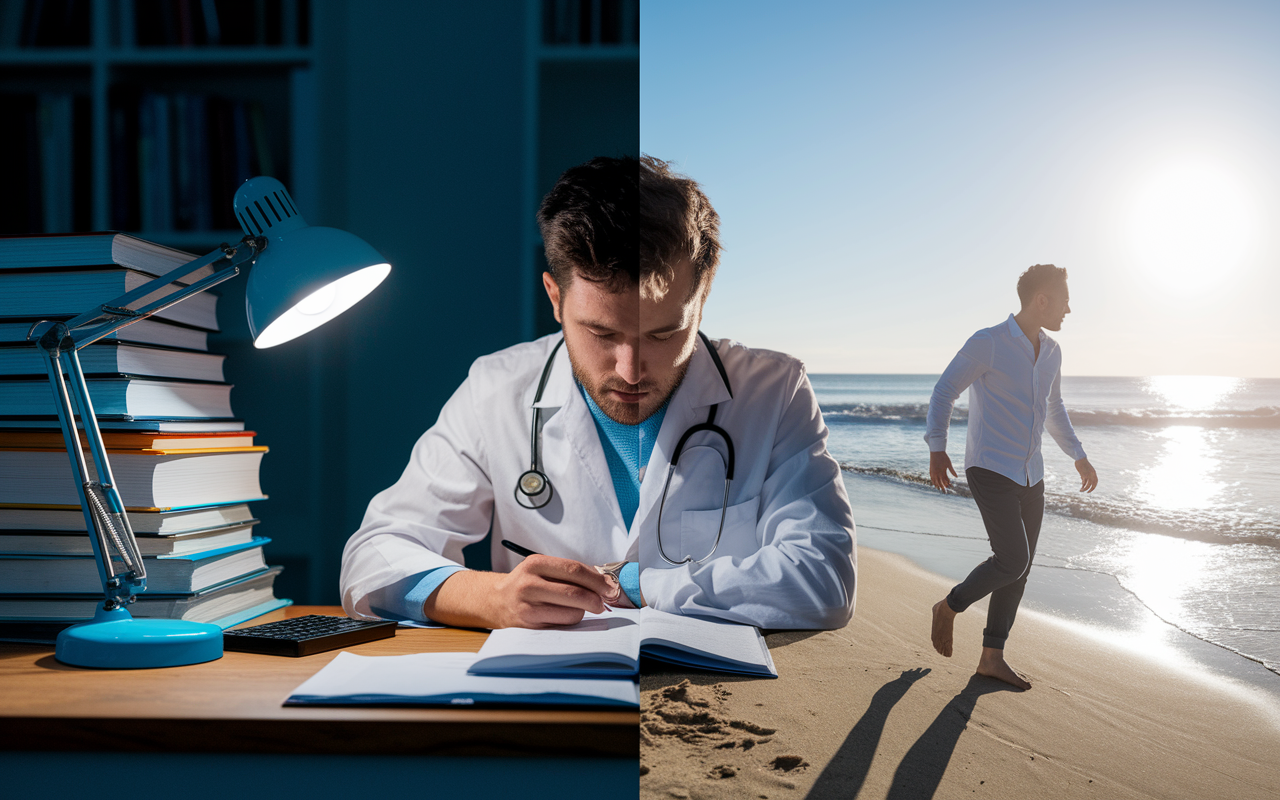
x: 943, y: 623
x: 993, y: 665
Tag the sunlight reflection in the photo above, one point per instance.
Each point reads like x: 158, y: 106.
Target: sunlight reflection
x: 1183, y: 478
x: 1192, y: 392
x: 1164, y: 571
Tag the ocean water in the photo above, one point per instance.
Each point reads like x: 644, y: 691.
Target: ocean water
x: 1186, y: 517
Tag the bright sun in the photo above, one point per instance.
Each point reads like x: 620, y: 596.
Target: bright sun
x: 1192, y: 223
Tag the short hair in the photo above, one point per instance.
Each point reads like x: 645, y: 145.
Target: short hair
x: 588, y: 224
x: 1039, y: 278
x: 677, y: 223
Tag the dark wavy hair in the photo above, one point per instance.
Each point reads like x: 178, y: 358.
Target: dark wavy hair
x: 588, y: 224
x: 677, y: 223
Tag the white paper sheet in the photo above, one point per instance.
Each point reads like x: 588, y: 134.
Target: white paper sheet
x: 442, y: 679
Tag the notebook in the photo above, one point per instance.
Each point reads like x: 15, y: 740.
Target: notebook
x: 610, y: 645
x: 444, y: 679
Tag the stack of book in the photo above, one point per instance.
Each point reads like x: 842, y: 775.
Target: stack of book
x: 185, y: 468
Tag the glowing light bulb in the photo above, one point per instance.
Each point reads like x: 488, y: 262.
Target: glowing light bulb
x: 318, y: 301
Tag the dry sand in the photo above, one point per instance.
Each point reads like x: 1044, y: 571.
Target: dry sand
x: 872, y: 711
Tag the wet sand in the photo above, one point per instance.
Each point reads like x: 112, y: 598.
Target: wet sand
x: 872, y: 711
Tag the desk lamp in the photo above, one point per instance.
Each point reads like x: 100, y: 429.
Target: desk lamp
x: 302, y: 277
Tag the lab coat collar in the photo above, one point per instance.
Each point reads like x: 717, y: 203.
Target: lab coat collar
x: 560, y: 385
x: 569, y: 420
x: 701, y: 387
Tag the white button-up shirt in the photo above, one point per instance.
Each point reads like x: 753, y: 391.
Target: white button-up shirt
x: 1013, y: 397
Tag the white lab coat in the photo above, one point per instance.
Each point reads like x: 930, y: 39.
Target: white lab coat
x: 785, y: 559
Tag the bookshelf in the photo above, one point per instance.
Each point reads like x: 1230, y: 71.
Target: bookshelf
x: 373, y: 102
x: 575, y: 49
x: 246, y: 65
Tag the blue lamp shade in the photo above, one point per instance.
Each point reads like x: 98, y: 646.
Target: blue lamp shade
x: 307, y: 275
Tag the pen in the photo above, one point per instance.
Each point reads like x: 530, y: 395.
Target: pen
x: 517, y: 549
x: 526, y: 552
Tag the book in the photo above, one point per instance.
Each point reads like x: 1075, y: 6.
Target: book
x: 121, y: 397
x: 125, y: 211
x: 11, y: 15
x: 54, y: 111
x: 113, y: 358
x: 216, y: 603
x: 104, y: 249
x: 67, y: 294
x: 446, y: 679
x: 21, y: 207
x: 123, y: 440
x: 160, y: 168
x: 155, y: 480
x: 155, y: 425
x: 77, y: 543
x: 144, y: 523
x: 146, y: 331
x: 610, y: 645
x: 165, y: 574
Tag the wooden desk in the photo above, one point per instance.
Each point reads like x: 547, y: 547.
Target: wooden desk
x: 233, y: 705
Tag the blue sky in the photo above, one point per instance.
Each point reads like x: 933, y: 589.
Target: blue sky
x: 883, y: 172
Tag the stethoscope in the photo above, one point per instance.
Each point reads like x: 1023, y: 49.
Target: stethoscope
x: 534, y: 483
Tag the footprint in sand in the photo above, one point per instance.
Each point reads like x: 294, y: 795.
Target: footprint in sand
x: 788, y: 763
x: 693, y: 714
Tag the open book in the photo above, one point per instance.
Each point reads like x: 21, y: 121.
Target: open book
x: 610, y: 645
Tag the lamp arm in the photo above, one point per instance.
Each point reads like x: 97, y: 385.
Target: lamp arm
x: 116, y: 313
x: 110, y: 533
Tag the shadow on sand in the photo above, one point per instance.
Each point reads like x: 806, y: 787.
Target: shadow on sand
x: 844, y: 774
x: 921, y: 770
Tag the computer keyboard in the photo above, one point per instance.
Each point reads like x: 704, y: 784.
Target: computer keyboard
x: 304, y: 636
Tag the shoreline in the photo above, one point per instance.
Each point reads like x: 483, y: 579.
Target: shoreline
x: 903, y: 520
x: 872, y: 711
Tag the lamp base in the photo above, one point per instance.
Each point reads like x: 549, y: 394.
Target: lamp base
x: 115, y: 640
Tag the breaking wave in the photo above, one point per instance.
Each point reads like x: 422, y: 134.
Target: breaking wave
x: 896, y: 413
x: 1221, y: 526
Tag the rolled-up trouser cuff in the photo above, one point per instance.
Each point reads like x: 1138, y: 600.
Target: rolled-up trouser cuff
x: 953, y: 604
x: 994, y: 642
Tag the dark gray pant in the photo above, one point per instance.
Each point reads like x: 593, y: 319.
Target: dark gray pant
x: 1012, y: 514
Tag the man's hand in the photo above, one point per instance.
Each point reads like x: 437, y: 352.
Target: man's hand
x: 1088, y: 475
x: 939, y: 466
x: 541, y: 592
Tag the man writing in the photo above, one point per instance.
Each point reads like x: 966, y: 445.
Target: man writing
x: 1015, y: 371
x: 562, y: 446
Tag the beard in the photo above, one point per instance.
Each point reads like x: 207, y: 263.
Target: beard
x: 655, y: 394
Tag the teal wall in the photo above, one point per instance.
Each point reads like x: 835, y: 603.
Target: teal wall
x: 422, y: 150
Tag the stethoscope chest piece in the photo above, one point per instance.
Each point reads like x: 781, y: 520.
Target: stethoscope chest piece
x: 532, y: 483
x: 533, y: 487
x: 533, y: 490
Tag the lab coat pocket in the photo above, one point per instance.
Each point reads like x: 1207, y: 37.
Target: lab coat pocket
x: 739, y: 538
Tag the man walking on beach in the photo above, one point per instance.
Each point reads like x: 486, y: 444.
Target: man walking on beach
x: 1015, y: 370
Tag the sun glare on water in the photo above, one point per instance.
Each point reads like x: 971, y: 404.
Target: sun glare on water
x: 1192, y: 392
x: 1192, y: 223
